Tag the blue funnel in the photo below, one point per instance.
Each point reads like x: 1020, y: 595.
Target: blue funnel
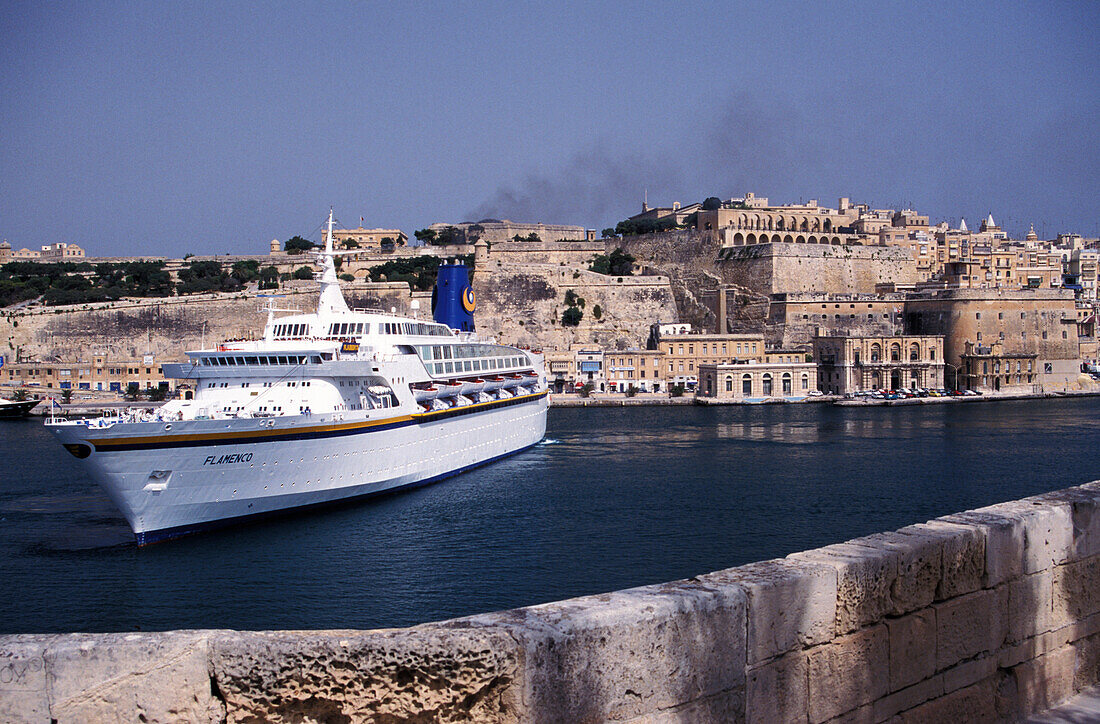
x: 452, y: 298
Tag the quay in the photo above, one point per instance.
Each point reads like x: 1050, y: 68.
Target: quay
x: 987, y: 615
x: 618, y: 399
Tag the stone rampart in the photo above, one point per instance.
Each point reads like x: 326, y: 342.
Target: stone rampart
x: 776, y: 268
x: 987, y: 615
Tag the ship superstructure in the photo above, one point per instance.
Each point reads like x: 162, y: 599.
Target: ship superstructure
x: 329, y: 405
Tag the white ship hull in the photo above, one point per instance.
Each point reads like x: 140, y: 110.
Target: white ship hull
x: 199, y: 474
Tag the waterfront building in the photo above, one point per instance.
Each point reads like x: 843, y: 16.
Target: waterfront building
x: 589, y: 365
x: 989, y: 368
x: 794, y: 319
x: 684, y: 353
x: 847, y: 364
x: 99, y: 374
x: 1081, y: 273
x: 753, y: 381
x: 642, y: 369
x: 1042, y: 322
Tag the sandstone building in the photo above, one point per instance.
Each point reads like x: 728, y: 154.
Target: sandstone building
x: 849, y: 364
x: 749, y: 381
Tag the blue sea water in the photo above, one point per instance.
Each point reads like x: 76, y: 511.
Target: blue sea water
x: 615, y: 497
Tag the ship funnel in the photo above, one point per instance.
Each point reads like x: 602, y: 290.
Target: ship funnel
x: 453, y: 298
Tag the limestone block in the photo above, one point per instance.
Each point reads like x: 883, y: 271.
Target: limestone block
x: 1004, y: 542
x: 24, y: 694
x: 444, y: 672
x: 1076, y: 591
x: 1084, y: 504
x: 920, y: 566
x: 865, y: 578
x: 148, y: 677
x: 863, y: 715
x: 912, y: 648
x: 727, y: 707
x: 888, y: 706
x: 963, y: 550
x: 847, y: 673
x: 975, y: 704
x: 968, y: 672
x: 967, y: 626
x: 630, y: 653
x: 1030, y: 605
x: 1045, y: 682
x: 777, y: 691
x: 791, y: 604
x: 1048, y: 533
x: 1087, y: 672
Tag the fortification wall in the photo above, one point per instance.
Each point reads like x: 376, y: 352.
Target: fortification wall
x: 847, y: 269
x: 523, y: 304
x: 988, y: 615
x: 166, y: 327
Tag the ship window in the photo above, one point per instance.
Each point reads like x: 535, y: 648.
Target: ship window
x: 448, y: 352
x: 468, y: 366
x: 262, y: 360
x: 450, y: 367
x: 315, y: 359
x: 250, y: 360
x: 230, y: 360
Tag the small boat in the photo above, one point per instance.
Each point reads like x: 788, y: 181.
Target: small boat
x: 12, y: 409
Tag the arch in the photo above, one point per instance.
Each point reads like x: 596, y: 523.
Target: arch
x: 729, y: 383
x: 895, y: 352
x: 778, y: 224
x: 876, y: 381
x: 827, y: 226
x: 767, y: 384
x: 805, y: 225
x: 816, y: 226
x: 775, y: 238
x: 788, y: 239
x: 914, y: 352
x: 750, y: 239
x: 786, y: 382
x: 739, y: 238
x: 756, y: 222
x: 800, y: 239
x: 876, y: 352
x: 742, y: 220
x: 895, y: 380
x: 812, y: 239
x: 836, y: 240
x: 805, y: 381
x: 746, y: 385
x: 792, y: 223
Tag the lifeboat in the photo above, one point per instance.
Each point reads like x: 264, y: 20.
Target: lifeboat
x: 493, y: 383
x: 422, y: 391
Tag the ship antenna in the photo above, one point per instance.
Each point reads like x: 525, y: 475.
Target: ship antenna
x: 331, y: 298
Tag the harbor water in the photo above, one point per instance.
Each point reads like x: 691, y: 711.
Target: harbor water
x: 613, y: 498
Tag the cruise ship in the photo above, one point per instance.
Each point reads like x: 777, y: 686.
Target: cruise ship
x: 336, y: 404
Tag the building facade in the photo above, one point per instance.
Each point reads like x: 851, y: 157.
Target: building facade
x: 99, y: 374
x: 642, y: 369
x: 859, y: 364
x: 684, y: 353
x: 757, y: 382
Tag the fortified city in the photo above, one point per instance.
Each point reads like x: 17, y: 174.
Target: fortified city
x: 550, y: 365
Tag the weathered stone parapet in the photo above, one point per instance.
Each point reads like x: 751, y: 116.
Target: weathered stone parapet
x: 987, y: 615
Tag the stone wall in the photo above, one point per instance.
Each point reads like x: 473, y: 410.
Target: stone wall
x: 846, y: 269
x: 523, y: 304
x: 167, y: 327
x: 988, y: 615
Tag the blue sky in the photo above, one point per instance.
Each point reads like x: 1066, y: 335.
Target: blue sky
x: 167, y: 128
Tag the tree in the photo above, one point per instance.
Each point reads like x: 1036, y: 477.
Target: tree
x: 631, y: 391
x: 617, y: 264
x: 19, y: 395
x: 348, y: 277
x: 449, y: 235
x: 571, y: 317
x: 132, y: 390
x: 351, y: 244
x: 269, y: 278
x: 676, y: 391
x: 303, y: 272
x: 597, y: 311
x: 607, y: 233
x: 245, y: 271
x: 296, y: 245
x: 425, y: 236
x: 712, y: 203
x: 155, y: 394
x: 67, y: 395
x: 570, y: 298
x: 587, y: 389
x: 387, y: 244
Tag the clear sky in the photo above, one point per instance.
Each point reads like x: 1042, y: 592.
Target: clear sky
x: 205, y: 127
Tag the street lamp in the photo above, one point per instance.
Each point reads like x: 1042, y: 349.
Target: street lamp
x: 956, y: 370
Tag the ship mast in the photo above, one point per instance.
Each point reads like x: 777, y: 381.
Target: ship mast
x: 331, y: 300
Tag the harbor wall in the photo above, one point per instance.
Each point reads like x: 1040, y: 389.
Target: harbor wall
x: 987, y: 615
